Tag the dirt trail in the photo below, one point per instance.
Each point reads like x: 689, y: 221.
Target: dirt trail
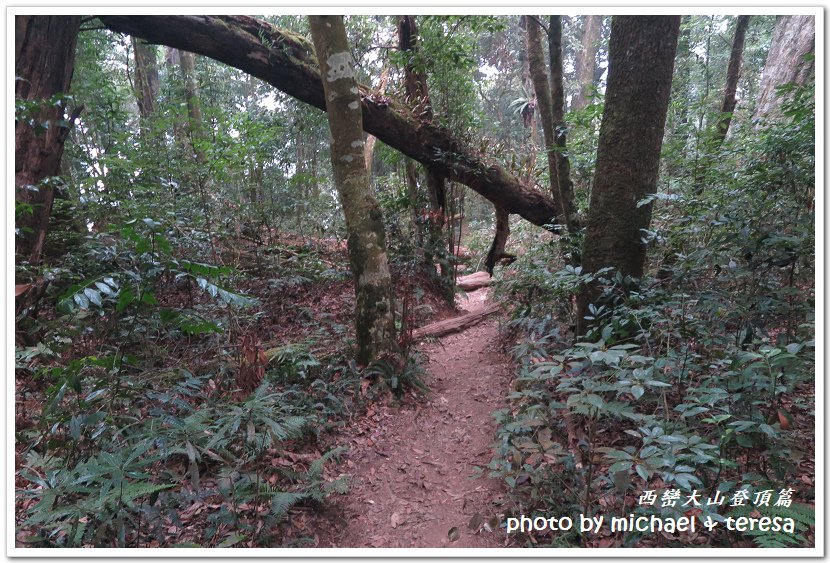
x: 412, y: 467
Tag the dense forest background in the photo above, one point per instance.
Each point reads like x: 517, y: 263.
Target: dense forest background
x: 206, y: 303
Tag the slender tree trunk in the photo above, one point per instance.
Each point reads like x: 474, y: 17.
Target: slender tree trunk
x: 146, y: 77
x: 557, y: 91
x: 586, y: 61
x: 541, y: 87
x: 172, y: 60
x: 44, y: 62
x: 641, y: 60
x: 375, y: 308
x: 733, y: 72
x: 793, y: 38
x: 547, y: 112
x: 412, y: 194
x: 499, y: 240
x: 198, y: 139
x: 417, y: 93
x: 187, y: 62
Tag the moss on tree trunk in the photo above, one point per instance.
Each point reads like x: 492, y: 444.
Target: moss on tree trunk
x: 374, y: 308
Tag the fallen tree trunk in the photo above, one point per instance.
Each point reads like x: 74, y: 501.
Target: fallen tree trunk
x: 286, y: 61
x: 457, y: 324
x: 474, y: 281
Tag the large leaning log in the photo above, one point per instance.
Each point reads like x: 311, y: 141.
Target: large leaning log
x: 286, y: 60
x: 456, y: 324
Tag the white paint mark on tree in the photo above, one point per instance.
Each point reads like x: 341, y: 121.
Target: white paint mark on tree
x: 356, y: 144
x: 354, y: 105
x: 341, y: 65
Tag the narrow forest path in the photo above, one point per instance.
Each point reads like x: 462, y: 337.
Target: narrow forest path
x: 413, y: 468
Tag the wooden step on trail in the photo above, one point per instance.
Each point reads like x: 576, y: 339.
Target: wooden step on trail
x: 456, y: 324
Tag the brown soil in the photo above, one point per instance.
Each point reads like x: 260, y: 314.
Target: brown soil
x: 412, y: 468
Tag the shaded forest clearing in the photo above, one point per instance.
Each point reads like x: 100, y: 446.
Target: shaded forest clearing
x: 398, y: 280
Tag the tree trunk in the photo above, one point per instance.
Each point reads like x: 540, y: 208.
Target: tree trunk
x: 369, y: 148
x: 499, y: 240
x: 146, y: 77
x: 557, y: 92
x: 286, y: 61
x: 172, y: 60
x: 417, y: 93
x: 194, y: 105
x: 733, y: 72
x: 792, y: 39
x: 44, y: 62
x: 198, y: 140
x: 586, y: 62
x: 374, y: 309
x: 411, y: 174
x: 552, y: 118
x: 641, y: 60
x: 541, y: 86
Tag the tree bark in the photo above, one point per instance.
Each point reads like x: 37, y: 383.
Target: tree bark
x: 641, y: 60
x: 44, y: 62
x: 499, y: 240
x: 374, y: 309
x: 369, y: 149
x: 792, y: 39
x: 286, y: 61
x: 417, y: 93
x: 194, y: 105
x: 586, y: 62
x: 557, y: 92
x: 733, y: 72
x: 172, y: 61
x: 541, y: 87
x: 146, y: 77
x: 552, y: 128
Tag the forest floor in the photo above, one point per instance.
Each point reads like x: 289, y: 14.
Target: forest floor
x: 418, y: 470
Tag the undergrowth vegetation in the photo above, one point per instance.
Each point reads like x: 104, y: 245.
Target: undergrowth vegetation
x: 700, y: 377
x: 160, y: 403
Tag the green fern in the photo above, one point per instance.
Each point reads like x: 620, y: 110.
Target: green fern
x: 804, y: 516
x: 282, y: 501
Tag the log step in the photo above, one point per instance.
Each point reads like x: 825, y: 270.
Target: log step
x: 474, y: 281
x: 456, y: 324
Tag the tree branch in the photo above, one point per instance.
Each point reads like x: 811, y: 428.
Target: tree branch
x: 286, y: 60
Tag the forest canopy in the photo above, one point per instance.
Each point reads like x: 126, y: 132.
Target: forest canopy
x: 267, y: 264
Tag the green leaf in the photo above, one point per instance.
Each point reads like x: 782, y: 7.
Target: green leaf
x: 105, y: 288
x: 282, y: 501
x: 134, y: 490
x: 232, y: 540
x: 125, y: 298
x: 594, y: 400
x: 82, y: 300
x: 162, y: 243
x: 93, y: 295
x: 620, y: 466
